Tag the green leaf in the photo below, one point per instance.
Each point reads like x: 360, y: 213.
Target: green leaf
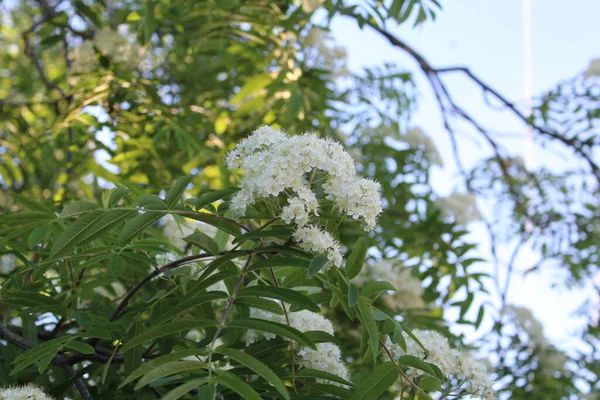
x: 168, y: 369
x: 36, y: 236
x: 316, y: 264
x: 177, y: 190
x: 137, y: 224
x: 133, y: 356
x: 116, y: 195
x: 274, y: 328
x: 356, y: 259
x: 187, y: 303
x: 81, y: 347
x: 87, y: 11
x: 318, y: 374
x: 151, y: 201
x: 38, y: 352
x: 280, y: 262
x: 232, y: 382
x: 398, y: 337
x: 87, y: 228
x: 374, y: 289
x: 366, y: 318
x: 430, y: 384
x: 383, y: 376
x: 415, y: 362
x: 79, y: 207
x: 155, y: 362
x: 45, y: 362
x: 352, y: 295
x: 217, y: 222
x: 34, y: 299
x: 204, y: 242
x: 283, y: 294
x: 211, y: 197
x: 282, y: 233
x: 168, y: 329
x: 257, y: 366
x: 262, y: 304
x: 116, y: 265
x: 26, y: 217
x: 185, y: 388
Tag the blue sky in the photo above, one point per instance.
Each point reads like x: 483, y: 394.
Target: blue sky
x: 487, y: 36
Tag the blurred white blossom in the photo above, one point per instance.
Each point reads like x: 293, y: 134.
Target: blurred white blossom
x: 550, y: 359
x: 118, y: 47
x: 7, y: 264
x: 461, y: 206
x: 418, y: 139
x: 408, y: 294
x: 320, y: 51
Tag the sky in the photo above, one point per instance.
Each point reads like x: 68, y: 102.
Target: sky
x: 488, y: 36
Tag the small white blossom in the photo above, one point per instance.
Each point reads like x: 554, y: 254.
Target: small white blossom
x: 312, y: 238
x: 27, y: 392
x: 327, y: 357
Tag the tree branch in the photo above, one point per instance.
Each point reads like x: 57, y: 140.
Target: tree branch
x: 58, y: 359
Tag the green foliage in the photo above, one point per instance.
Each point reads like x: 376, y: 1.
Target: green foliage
x: 101, y: 152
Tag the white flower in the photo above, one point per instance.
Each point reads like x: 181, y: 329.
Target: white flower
x: 327, y: 357
x: 461, y: 206
x: 409, y: 292
x: 417, y: 138
x: 27, y: 392
x: 312, y: 238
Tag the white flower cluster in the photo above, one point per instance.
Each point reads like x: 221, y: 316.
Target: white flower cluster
x: 461, y: 206
x: 417, y: 138
x: 327, y: 357
x: 118, y: 47
x: 27, y: 392
x: 472, y: 374
x: 409, y: 292
x: 275, y: 163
